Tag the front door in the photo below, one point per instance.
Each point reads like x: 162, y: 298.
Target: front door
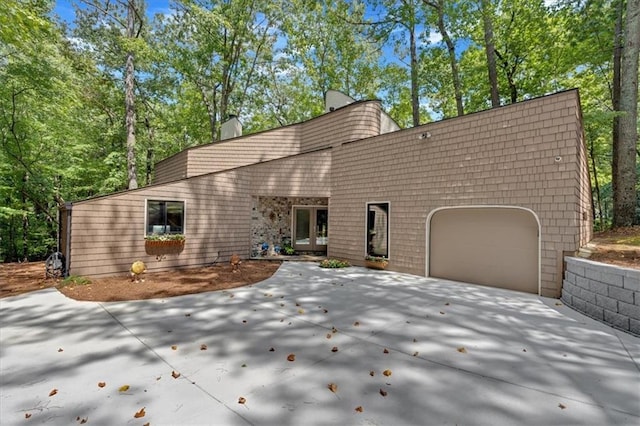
x: 310, y: 228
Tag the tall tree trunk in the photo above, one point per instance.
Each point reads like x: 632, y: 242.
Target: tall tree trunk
x: 415, y: 100
x: 598, y: 202
x: 624, y: 196
x: 489, y: 48
x: 25, y: 219
x: 451, y: 49
x: 129, y: 100
x: 152, y: 133
x: 615, y: 89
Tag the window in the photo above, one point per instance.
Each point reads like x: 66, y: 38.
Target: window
x: 165, y: 217
x: 378, y: 229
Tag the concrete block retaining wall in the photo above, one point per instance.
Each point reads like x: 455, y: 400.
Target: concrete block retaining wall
x: 608, y: 293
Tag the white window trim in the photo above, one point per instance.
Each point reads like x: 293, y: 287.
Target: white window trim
x: 366, y: 230
x: 146, y: 204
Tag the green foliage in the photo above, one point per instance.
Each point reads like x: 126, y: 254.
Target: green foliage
x: 165, y: 237
x: 73, y: 280
x: 62, y: 135
x: 334, y: 263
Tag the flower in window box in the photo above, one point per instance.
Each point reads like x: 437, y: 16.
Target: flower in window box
x: 163, y: 244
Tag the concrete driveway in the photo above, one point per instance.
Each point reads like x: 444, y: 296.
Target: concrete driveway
x: 456, y: 354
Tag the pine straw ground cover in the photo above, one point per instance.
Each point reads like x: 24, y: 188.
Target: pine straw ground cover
x: 18, y: 278
x: 619, y: 247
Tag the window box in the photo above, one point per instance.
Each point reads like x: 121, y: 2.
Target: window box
x: 160, y: 245
x: 376, y: 262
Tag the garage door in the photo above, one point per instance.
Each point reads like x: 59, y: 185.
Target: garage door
x: 494, y: 246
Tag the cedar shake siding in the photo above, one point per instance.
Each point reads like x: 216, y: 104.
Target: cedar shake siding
x: 529, y: 156
x: 502, y: 157
x: 354, y: 121
x: 107, y: 233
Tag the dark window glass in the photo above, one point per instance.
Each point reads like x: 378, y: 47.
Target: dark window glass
x: 378, y: 229
x: 165, y: 217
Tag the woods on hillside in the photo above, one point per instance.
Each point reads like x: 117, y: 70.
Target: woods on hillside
x: 87, y: 107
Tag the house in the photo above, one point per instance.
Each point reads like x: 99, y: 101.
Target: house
x: 496, y: 197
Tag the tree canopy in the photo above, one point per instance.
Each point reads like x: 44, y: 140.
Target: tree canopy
x: 89, y: 104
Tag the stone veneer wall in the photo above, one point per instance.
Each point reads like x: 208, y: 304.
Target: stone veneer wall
x: 607, y: 293
x: 271, y: 218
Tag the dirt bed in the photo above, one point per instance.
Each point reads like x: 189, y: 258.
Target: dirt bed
x: 619, y: 247
x: 18, y: 278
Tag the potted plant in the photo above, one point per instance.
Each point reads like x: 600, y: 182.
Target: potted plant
x: 162, y: 244
x: 376, y: 262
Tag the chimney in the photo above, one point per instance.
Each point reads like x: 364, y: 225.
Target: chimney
x: 232, y: 128
x: 334, y: 99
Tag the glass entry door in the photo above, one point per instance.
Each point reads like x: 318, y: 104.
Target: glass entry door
x: 310, y: 228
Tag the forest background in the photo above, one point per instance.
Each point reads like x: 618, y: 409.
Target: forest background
x: 92, y: 96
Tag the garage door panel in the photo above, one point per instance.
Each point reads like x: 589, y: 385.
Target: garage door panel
x: 490, y: 246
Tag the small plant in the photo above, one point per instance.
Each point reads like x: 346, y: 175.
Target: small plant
x: 334, y: 263
x: 377, y: 259
x: 376, y: 262
x: 288, y: 250
x: 164, y: 237
x: 74, y: 280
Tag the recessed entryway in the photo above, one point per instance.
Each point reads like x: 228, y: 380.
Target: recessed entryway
x: 494, y: 246
x: 310, y: 228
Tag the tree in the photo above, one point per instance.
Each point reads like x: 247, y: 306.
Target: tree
x: 439, y: 7
x: 624, y: 151
x: 490, y: 50
x: 110, y: 28
x: 217, y: 48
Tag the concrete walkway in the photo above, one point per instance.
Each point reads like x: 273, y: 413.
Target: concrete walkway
x: 457, y: 354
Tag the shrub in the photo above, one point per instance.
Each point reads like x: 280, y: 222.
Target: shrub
x: 334, y: 263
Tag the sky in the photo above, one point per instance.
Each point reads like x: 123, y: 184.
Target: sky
x: 64, y: 8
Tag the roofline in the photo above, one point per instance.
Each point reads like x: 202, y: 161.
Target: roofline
x: 272, y: 129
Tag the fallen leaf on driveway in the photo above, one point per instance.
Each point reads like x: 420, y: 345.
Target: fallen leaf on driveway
x: 203, y: 347
x: 53, y: 392
x: 140, y: 413
x: 27, y: 415
x: 356, y: 324
x: 359, y: 409
x: 175, y: 374
x: 242, y: 400
x: 334, y: 349
x: 416, y: 353
x: 174, y: 347
x: 562, y: 406
x: 60, y: 349
x: 272, y: 350
x: 101, y: 384
x: 386, y: 351
x: 387, y: 373
x: 372, y: 373
x: 328, y: 335
x: 332, y: 387
x: 462, y: 350
x: 123, y: 388
x: 291, y: 357
x: 383, y: 392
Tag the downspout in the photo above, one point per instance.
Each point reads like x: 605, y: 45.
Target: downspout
x: 67, y: 247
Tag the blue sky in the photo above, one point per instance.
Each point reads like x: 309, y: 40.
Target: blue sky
x: 64, y: 8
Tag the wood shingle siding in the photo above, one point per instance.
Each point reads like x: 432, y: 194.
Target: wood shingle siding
x: 529, y: 155
x: 505, y: 156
